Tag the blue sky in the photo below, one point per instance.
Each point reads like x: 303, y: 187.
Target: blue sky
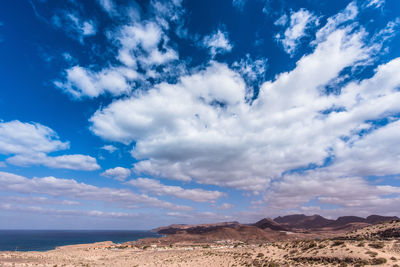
x: 131, y: 115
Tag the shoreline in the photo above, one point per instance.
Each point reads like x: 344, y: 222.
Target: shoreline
x: 372, y: 245
x: 280, y: 253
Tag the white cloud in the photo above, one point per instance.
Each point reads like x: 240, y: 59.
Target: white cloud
x: 109, y: 148
x: 17, y: 138
x: 239, y: 4
x: 62, y: 212
x: 386, y: 33
x: 3, y: 164
x: 118, y: 173
x: 141, y: 47
x: 282, y: 20
x: 329, y: 188
x: 300, y: 21
x: 375, y: 3
x: 88, y: 28
x: 30, y: 200
x: 218, y: 43
x: 379, y: 149
x: 155, y: 187
x: 202, y: 127
x: 347, y: 15
x: 108, y: 6
x: 74, y: 25
x: 72, y: 189
x: 29, y: 144
x: 85, y: 28
x: 252, y: 71
x: 72, y: 162
x: 84, y: 82
x: 226, y: 206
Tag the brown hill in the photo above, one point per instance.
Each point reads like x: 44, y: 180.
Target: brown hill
x: 240, y: 232
x: 373, y: 219
x: 301, y: 221
x: 193, y: 229
x: 382, y: 230
x: 344, y: 220
x: 270, y: 224
x: 297, y: 226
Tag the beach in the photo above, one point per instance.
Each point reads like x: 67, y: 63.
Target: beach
x: 224, y: 253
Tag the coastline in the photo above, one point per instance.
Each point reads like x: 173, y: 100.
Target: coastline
x: 282, y: 253
x: 372, y: 245
x: 45, y: 240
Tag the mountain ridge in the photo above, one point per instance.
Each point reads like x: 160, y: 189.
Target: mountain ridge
x: 298, y: 223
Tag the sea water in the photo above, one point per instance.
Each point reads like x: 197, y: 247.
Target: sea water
x: 42, y: 240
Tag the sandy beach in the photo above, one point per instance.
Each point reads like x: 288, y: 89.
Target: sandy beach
x: 230, y: 253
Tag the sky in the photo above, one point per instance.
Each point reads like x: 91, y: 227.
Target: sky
x: 117, y: 114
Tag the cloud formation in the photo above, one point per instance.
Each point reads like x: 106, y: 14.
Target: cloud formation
x: 72, y: 189
x: 296, y: 134
x: 118, y: 173
x: 29, y: 144
x: 203, y: 127
x: 155, y: 187
x: 300, y: 21
x: 217, y: 43
x: 142, y: 50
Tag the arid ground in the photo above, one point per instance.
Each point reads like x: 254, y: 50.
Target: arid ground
x: 377, y: 244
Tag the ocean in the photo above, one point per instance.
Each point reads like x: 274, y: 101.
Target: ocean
x: 42, y: 240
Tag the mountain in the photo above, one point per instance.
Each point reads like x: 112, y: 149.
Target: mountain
x: 193, y: 229
x: 373, y: 219
x: 296, y: 226
x: 302, y: 221
x: 344, y: 220
x: 269, y: 223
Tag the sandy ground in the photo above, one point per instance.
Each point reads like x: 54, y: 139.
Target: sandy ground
x: 230, y: 253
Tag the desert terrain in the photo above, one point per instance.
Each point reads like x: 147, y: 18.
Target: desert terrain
x: 303, y: 241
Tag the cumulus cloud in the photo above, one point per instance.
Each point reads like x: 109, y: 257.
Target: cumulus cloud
x: 300, y: 21
x: 83, y: 82
x: 329, y: 188
x: 202, y: 128
x: 253, y: 71
x: 72, y: 189
x: 217, y: 43
x: 141, y: 46
x: 155, y: 187
x: 72, y: 162
x: 29, y: 143
x: 109, y: 148
x: 118, y: 173
x: 17, y: 138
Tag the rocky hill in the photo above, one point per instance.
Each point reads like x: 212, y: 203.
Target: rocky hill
x: 297, y: 226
